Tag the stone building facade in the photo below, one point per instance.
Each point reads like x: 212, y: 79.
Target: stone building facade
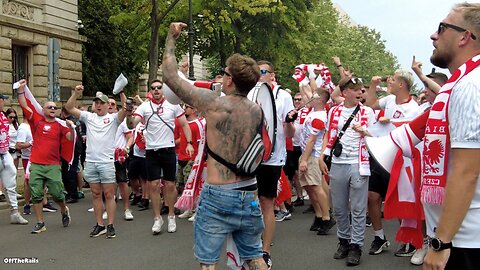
x: 25, y: 29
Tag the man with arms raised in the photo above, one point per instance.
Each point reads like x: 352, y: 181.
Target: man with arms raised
x: 228, y: 201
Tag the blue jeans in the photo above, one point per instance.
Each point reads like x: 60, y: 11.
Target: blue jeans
x: 221, y: 212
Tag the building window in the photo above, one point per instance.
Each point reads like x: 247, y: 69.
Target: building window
x: 20, y: 64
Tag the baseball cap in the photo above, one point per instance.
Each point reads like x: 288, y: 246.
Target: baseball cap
x: 2, y: 96
x: 438, y: 75
x: 102, y: 97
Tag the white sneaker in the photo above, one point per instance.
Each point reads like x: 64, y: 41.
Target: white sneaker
x: 90, y: 210
x: 16, y: 218
x: 105, y: 215
x: 172, y: 225
x: 157, y: 225
x: 192, y: 218
x: 128, y: 215
x: 419, y: 255
x: 186, y: 214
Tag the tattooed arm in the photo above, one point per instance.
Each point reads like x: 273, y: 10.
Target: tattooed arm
x: 197, y: 97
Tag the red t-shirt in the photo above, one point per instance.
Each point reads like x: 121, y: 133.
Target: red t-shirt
x: 46, y: 137
x: 182, y: 154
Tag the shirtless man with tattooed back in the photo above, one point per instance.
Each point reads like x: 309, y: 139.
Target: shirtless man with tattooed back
x: 228, y: 202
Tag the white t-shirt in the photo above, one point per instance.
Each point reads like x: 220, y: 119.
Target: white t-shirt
x: 351, y: 139
x: 302, y: 115
x: 122, y: 131
x: 394, y: 111
x: 24, y: 134
x: 464, y: 127
x: 12, y: 133
x: 157, y: 133
x: 284, y: 104
x: 100, y: 136
x: 314, y: 125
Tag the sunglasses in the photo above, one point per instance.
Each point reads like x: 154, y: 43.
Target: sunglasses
x: 264, y: 72
x: 187, y: 107
x: 12, y: 117
x: 297, y: 99
x: 156, y: 87
x: 355, y: 80
x: 113, y: 103
x: 52, y: 107
x: 442, y: 26
x: 224, y: 72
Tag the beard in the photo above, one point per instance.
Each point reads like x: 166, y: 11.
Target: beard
x: 441, y: 60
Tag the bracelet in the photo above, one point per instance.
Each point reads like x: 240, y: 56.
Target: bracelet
x: 189, y: 142
x: 339, y: 65
x: 22, y: 93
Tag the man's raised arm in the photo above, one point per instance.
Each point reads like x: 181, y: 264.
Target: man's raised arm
x: 21, y: 98
x: 70, y: 105
x: 188, y: 93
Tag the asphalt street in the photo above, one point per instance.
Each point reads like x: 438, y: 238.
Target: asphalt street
x: 294, y: 248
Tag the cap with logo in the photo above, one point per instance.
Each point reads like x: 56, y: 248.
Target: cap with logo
x: 102, y: 97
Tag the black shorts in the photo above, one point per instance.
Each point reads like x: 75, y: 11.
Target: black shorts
x: 379, y: 178
x: 137, y: 169
x: 121, y: 172
x: 160, y: 161
x: 463, y: 258
x: 291, y: 164
x: 267, y: 180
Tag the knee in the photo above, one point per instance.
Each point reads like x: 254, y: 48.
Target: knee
x: 374, y: 198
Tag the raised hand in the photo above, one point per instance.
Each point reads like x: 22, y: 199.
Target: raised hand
x: 176, y: 29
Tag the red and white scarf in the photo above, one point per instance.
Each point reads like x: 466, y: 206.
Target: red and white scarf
x: 197, y: 175
x: 437, y: 139
x: 363, y: 163
x: 324, y: 79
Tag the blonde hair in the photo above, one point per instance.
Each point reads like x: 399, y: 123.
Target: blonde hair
x: 406, y: 76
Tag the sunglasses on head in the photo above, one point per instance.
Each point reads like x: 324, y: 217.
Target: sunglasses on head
x: 442, y: 26
x: 158, y: 87
x: 52, y: 107
x: 224, y: 72
x: 264, y: 72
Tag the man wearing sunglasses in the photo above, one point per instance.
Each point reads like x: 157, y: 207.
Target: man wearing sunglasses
x: 451, y: 186
x: 99, y: 166
x: 228, y: 202
x: 159, y: 117
x: 45, y: 157
x: 269, y: 171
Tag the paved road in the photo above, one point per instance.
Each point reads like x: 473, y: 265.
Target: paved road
x: 136, y: 248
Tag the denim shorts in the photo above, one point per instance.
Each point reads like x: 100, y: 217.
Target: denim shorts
x: 100, y: 172
x: 221, y: 212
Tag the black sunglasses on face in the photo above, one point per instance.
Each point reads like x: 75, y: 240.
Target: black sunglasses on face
x: 52, y: 107
x: 158, y: 87
x: 224, y: 72
x: 297, y: 99
x: 442, y: 26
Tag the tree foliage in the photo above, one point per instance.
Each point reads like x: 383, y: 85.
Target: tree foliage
x: 285, y: 32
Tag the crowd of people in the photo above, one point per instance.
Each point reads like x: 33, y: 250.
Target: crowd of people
x: 320, y: 146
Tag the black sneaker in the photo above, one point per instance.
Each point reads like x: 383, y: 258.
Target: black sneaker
x: 342, y: 251
x: 368, y: 221
x: 267, y: 259
x: 317, y: 224
x: 406, y: 250
x: 110, y: 231
x: 143, y: 205
x: 39, y: 228
x: 27, y: 209
x: 378, y: 245
x: 309, y: 210
x: 327, y: 225
x: 136, y: 200
x: 354, y: 254
x: 290, y: 208
x: 66, y: 218
x: 98, y: 230
x: 48, y: 207
x: 298, y: 202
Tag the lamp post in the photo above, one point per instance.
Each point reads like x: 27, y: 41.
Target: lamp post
x: 191, y: 75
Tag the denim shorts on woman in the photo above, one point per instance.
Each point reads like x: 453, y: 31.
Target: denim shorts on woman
x: 221, y: 212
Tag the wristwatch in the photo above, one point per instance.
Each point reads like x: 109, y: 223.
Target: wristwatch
x: 189, y: 142
x: 438, y: 245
